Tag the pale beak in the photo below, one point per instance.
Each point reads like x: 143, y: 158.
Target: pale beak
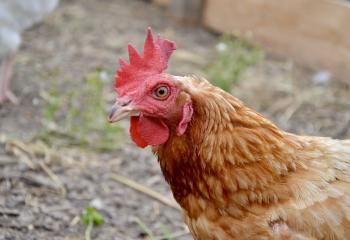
x: 119, y: 112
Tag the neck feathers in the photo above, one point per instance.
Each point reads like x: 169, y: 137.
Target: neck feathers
x: 226, y: 148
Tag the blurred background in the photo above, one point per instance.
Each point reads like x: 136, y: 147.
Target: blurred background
x: 65, y: 173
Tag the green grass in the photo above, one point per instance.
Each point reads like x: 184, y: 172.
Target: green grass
x: 91, y: 218
x: 234, y: 57
x: 78, y: 116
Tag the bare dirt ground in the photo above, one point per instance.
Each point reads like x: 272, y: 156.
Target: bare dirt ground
x: 44, y: 190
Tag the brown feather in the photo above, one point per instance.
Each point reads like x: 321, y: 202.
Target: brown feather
x: 237, y: 176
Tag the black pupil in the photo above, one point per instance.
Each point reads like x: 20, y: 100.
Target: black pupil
x: 161, y: 91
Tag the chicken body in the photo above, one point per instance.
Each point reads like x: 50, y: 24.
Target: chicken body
x: 237, y: 176
x: 234, y: 173
x: 16, y: 16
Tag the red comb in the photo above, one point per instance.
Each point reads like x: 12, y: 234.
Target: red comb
x: 155, y: 59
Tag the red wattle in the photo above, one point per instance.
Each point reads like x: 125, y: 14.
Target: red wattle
x: 134, y: 134
x: 148, y: 131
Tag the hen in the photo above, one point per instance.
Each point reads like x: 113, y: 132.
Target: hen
x: 235, y: 174
x: 16, y: 16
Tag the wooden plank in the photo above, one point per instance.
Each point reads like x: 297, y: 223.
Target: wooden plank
x: 313, y: 33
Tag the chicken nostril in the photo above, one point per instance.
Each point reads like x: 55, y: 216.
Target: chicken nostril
x: 125, y: 103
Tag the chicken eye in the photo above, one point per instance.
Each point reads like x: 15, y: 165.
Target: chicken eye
x: 161, y: 92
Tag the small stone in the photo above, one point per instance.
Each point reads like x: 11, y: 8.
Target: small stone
x: 97, y: 203
x: 221, y: 46
x: 322, y: 77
